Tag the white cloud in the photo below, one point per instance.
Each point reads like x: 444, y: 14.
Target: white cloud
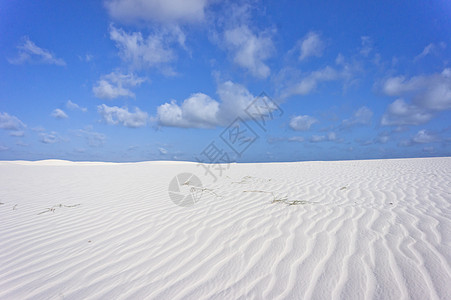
x: 250, y: 50
x: 19, y: 133
x: 59, y: 114
x: 29, y: 52
x: 294, y: 83
x: 430, y: 49
x: 164, y: 11
x: 431, y: 92
x: 235, y: 98
x: 309, y: 82
x: 317, y: 138
x: 331, y: 136
x: 311, y: 45
x: 143, y: 53
x: 9, y: 122
x: 49, y: 138
x: 3, y: 148
x: 197, y: 111
x: 116, y: 85
x: 299, y: 123
x: 362, y: 116
x: 401, y: 113
x: 423, y: 137
x: 201, y: 111
x: 74, y: 106
x: 162, y: 150
x: 114, y: 115
x: 428, y: 94
x: 298, y: 139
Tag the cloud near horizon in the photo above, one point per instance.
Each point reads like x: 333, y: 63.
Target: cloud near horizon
x: 428, y: 94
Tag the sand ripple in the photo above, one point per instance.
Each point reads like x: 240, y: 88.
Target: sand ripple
x: 376, y: 229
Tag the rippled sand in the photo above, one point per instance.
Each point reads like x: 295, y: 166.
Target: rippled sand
x: 378, y: 229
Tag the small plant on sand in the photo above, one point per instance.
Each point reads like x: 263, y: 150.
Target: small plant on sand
x: 54, y: 207
x: 249, y: 179
x: 281, y: 199
x: 201, y: 190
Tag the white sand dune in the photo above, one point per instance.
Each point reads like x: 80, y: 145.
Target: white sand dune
x: 378, y: 229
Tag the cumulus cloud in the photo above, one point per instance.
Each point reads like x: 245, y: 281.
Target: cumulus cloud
x: 432, y: 92
x: 146, y: 52
x: 59, y: 114
x: 9, y: 122
x: 49, y: 137
x: 198, y: 111
x: 311, y: 45
x: 428, y: 94
x: 114, y: 115
x: 302, y: 123
x: 201, y: 111
x: 162, y: 151
x: 164, y: 11
x: 424, y: 137
x: 74, y: 106
x: 116, y: 85
x: 29, y: 52
x: 250, y: 50
x: 310, y: 81
x: 401, y: 113
x: 421, y: 137
x: 362, y: 116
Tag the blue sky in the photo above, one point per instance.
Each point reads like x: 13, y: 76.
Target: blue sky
x: 139, y: 80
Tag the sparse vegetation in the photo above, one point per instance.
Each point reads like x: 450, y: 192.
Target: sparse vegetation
x: 195, y: 189
x: 53, y: 208
x: 282, y: 199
